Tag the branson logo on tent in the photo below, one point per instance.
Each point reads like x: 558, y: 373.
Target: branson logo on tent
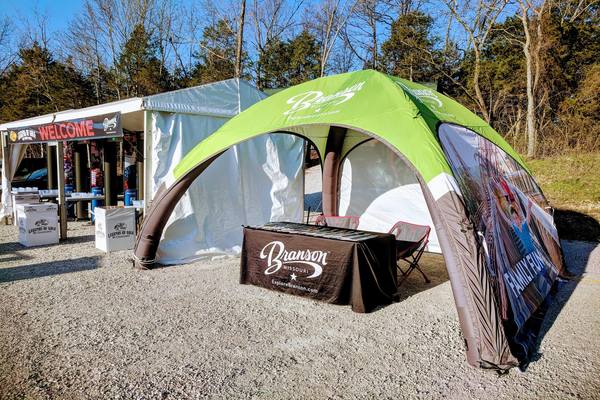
x: 306, y: 262
x: 427, y: 96
x: 315, y: 100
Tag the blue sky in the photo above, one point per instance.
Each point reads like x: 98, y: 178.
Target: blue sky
x: 58, y: 12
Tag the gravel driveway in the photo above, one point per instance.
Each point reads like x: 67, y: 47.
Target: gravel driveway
x: 76, y: 323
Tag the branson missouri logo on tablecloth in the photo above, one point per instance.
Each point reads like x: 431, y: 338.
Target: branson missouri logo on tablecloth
x: 308, y: 263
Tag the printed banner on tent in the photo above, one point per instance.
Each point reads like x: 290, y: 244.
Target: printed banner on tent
x: 97, y: 127
x: 518, y: 238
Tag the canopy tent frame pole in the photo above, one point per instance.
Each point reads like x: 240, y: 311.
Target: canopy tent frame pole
x: 4, y: 145
x: 62, y: 206
x: 147, y: 161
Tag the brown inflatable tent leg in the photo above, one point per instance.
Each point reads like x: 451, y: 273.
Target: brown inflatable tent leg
x: 480, y: 322
x: 331, y: 169
x: 158, y: 214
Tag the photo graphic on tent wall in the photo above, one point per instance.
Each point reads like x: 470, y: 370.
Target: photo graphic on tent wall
x: 520, y: 244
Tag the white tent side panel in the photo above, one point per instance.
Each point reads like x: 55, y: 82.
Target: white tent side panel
x: 381, y: 189
x: 14, y: 155
x: 252, y: 183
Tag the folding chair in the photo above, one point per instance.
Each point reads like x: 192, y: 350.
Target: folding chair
x: 411, y: 240
x: 334, y: 221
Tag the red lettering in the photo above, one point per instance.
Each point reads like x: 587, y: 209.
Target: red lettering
x: 52, y: 132
x: 89, y: 125
x: 79, y: 129
x: 71, y: 129
x: 63, y: 129
x: 43, y: 130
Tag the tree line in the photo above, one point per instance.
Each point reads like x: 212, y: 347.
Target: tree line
x: 531, y: 68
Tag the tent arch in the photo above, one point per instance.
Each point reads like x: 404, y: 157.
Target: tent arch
x: 405, y: 117
x: 166, y: 199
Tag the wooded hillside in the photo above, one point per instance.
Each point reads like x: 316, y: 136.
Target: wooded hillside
x: 530, y: 68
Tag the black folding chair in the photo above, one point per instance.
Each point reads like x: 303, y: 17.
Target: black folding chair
x: 411, y: 240
x: 334, y: 221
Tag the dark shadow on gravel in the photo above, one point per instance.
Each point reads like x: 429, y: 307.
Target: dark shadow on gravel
x: 6, y: 248
x: 49, y: 268
x: 434, y: 267
x: 574, y: 225
x: 576, y: 255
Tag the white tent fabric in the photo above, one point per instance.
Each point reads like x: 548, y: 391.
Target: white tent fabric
x: 221, y: 99
x: 380, y: 188
x: 254, y: 182
x: 14, y: 155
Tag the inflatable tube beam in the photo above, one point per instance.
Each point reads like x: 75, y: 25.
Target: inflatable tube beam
x: 158, y: 214
x: 331, y: 169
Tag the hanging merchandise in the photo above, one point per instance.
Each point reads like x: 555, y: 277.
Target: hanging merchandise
x: 129, y: 159
x: 68, y: 162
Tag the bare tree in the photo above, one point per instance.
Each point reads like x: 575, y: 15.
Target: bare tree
x: 7, y: 53
x: 240, y: 40
x: 476, y: 19
x: 327, y: 21
x: 361, y: 32
x: 272, y: 19
x: 35, y: 29
x: 531, y: 19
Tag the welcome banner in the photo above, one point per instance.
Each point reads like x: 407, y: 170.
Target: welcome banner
x: 97, y: 127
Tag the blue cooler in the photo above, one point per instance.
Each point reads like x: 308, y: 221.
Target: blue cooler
x: 96, y: 203
x: 130, y: 196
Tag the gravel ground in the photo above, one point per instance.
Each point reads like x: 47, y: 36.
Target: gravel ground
x: 76, y: 323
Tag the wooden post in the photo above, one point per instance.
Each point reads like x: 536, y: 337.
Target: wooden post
x: 110, y: 173
x: 62, y: 205
x: 50, y: 157
x: 4, y: 149
x: 79, y: 214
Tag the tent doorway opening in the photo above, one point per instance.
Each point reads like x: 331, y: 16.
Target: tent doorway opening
x: 377, y: 186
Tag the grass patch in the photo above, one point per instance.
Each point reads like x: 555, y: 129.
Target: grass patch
x: 572, y: 184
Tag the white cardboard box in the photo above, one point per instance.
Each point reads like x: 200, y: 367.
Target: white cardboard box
x: 38, y: 224
x: 22, y: 198
x: 115, y: 228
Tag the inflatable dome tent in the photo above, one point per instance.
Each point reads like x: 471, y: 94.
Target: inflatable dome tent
x: 493, y: 224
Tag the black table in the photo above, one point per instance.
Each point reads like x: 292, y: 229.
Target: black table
x: 339, y: 266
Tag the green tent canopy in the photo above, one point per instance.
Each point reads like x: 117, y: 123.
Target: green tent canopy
x: 498, y: 239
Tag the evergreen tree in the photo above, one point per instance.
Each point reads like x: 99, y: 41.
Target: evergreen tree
x: 216, y: 57
x: 291, y: 62
x: 408, y: 47
x: 38, y: 85
x: 139, y: 72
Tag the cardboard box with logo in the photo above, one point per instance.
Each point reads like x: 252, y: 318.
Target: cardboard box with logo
x: 115, y: 228
x: 22, y: 198
x: 38, y: 224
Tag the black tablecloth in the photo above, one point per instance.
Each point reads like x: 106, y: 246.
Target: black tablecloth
x: 339, y: 266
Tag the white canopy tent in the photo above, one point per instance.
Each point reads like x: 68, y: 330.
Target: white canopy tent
x: 254, y: 182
